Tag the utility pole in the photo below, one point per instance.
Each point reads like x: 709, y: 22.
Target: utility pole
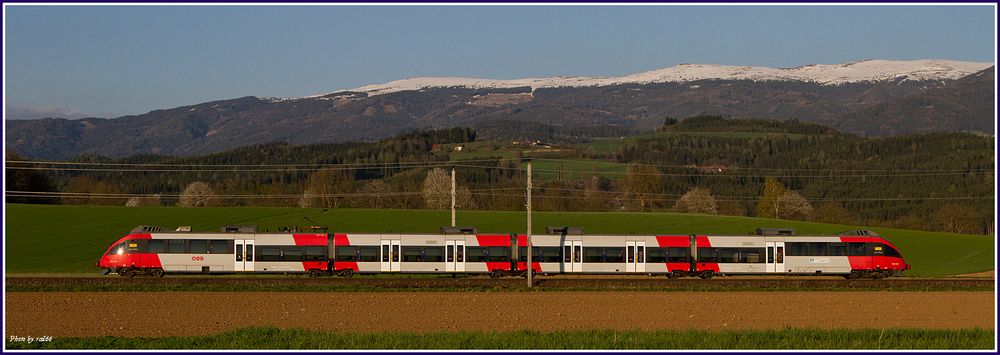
x: 452, y: 196
x: 529, y: 225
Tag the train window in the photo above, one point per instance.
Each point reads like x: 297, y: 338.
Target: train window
x: 631, y: 253
x: 656, y: 255
x: 640, y: 254
x: 729, y: 255
x: 550, y: 254
x: 433, y: 254
x: 770, y: 255
x: 385, y: 253
x: 751, y: 255
x: 176, y: 246
x: 249, y: 252
x: 877, y: 249
x: 291, y: 254
x: 450, y: 253
x: 267, y: 254
x: 155, y: 246
x: 368, y: 254
x: 346, y: 253
x: 499, y: 254
x: 615, y: 255
x: 797, y: 249
x: 135, y: 246
x: 838, y: 249
x: 117, y: 249
x: 522, y: 254
x: 477, y: 254
x: 566, y: 254
x: 856, y: 249
x: 780, y: 255
x: 314, y: 254
x: 593, y: 255
x: 460, y: 254
x: 678, y: 255
x: 890, y: 251
x: 819, y: 249
x: 412, y: 254
x: 708, y: 255
x: 239, y: 252
x: 199, y: 246
x: 221, y: 246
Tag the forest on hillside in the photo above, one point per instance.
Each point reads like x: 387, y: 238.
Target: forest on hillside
x: 787, y: 169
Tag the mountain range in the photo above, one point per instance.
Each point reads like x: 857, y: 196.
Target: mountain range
x: 868, y: 98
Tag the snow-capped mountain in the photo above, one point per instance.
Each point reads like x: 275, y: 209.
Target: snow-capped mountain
x: 875, y: 97
x: 824, y: 74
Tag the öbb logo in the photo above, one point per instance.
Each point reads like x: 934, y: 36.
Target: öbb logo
x: 197, y: 258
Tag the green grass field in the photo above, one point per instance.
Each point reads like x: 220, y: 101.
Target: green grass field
x: 69, y: 239
x: 274, y: 338
x: 545, y: 169
x: 611, y: 145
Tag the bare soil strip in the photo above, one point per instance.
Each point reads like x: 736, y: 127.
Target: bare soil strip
x: 151, y: 314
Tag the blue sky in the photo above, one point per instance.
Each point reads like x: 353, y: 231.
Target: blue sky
x: 113, y: 61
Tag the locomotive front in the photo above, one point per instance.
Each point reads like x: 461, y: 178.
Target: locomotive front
x: 123, y: 254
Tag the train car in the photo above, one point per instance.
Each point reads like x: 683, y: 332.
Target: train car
x: 154, y: 252
x: 151, y: 251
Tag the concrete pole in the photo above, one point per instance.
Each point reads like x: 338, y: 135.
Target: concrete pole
x: 452, y: 197
x: 529, y: 225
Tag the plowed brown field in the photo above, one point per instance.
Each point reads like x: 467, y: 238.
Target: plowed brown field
x: 199, y: 313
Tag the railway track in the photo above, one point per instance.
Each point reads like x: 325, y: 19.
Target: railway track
x: 553, y: 282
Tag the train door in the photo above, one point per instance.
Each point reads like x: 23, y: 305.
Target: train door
x: 573, y: 261
x: 775, y: 257
x: 460, y: 256
x: 454, y: 256
x: 636, y: 257
x: 239, y: 257
x: 248, y: 255
x: 390, y: 255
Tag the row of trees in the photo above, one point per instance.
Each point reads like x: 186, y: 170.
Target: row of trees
x: 654, y: 180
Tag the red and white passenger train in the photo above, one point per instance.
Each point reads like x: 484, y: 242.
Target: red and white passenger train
x: 149, y: 251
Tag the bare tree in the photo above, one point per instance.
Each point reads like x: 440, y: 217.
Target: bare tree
x: 196, y: 194
x: 326, y: 189
x: 697, y: 200
x: 791, y: 205
x: 834, y: 212
x: 464, y: 199
x: 377, y: 194
x: 767, y: 207
x: 956, y: 218
x: 437, y: 189
x: 153, y: 200
x: 90, y: 191
x: 641, y: 184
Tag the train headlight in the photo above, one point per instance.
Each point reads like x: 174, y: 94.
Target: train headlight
x: 121, y: 251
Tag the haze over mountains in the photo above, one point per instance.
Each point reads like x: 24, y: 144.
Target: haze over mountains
x: 877, y: 97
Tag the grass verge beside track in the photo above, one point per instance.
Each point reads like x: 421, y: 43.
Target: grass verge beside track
x: 275, y: 338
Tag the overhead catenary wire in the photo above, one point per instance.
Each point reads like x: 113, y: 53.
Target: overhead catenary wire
x: 297, y: 195
x: 146, y: 167
x: 744, y: 168
x: 707, y: 175
x: 819, y: 199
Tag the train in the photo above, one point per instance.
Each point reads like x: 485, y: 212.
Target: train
x: 153, y: 251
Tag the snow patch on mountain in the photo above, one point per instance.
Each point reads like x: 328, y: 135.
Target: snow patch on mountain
x: 823, y: 74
